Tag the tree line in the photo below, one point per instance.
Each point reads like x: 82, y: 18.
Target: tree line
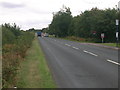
x: 88, y: 25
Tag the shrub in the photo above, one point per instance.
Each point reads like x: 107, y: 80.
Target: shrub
x: 15, y: 44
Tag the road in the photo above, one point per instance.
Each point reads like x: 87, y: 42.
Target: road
x: 78, y: 65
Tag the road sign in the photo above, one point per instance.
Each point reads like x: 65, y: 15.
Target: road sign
x: 102, y: 35
x: 94, y: 32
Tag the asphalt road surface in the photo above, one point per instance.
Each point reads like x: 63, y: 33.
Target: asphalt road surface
x: 78, y: 65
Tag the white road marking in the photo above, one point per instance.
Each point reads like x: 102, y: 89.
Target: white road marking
x: 67, y: 45
x: 54, y: 40
x: 113, y: 61
x: 75, y: 48
x: 90, y: 53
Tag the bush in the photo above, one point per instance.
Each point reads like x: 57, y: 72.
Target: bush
x: 80, y: 39
x: 15, y: 44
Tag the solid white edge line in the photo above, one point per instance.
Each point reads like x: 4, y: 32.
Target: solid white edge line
x: 90, y: 53
x: 113, y: 61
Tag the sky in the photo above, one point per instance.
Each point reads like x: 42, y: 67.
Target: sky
x: 38, y: 13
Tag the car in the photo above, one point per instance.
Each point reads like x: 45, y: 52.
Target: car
x: 46, y: 35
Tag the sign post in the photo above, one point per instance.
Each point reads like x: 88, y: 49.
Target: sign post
x: 119, y: 5
x: 102, y: 36
x: 117, y: 32
x: 117, y: 25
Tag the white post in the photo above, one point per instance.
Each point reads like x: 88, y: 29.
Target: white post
x: 119, y: 5
x: 102, y: 40
x: 102, y: 36
x: 117, y: 25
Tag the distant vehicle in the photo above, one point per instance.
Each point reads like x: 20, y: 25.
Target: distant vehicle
x: 39, y: 34
x: 46, y: 35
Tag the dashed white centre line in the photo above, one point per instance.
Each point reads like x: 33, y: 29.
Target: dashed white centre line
x: 90, y: 53
x: 75, y: 48
x: 67, y: 45
x: 113, y: 62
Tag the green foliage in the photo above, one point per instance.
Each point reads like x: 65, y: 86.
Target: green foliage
x: 83, y: 25
x: 15, y: 43
x: 7, y: 39
x: 31, y: 29
x: 34, y: 72
x: 61, y: 22
x: 45, y: 30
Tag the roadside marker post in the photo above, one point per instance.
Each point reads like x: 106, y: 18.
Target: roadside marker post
x: 102, y: 36
x: 119, y: 5
x: 117, y: 32
x: 117, y: 25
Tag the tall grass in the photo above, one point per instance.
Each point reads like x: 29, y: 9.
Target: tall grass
x: 73, y: 38
x: 34, y: 72
x: 14, y: 46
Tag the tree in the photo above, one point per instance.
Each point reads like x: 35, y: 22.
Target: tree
x: 61, y: 22
x: 31, y: 29
x: 83, y: 25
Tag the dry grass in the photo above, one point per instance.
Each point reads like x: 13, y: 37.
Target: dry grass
x: 34, y: 72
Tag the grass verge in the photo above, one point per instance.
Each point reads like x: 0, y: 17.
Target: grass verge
x: 82, y: 40
x: 108, y: 44
x: 34, y: 72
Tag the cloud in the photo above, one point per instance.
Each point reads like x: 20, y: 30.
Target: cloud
x: 95, y: 2
x: 38, y: 13
x: 11, y: 5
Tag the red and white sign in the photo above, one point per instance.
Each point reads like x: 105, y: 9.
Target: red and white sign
x: 102, y: 35
x: 94, y: 32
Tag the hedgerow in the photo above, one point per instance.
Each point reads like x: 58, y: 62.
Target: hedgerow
x: 14, y: 46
